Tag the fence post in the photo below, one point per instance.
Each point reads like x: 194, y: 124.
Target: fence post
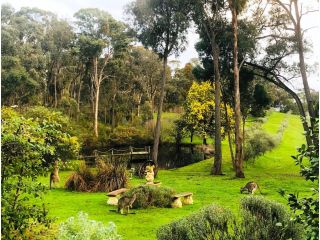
x: 111, y: 155
x: 131, y: 151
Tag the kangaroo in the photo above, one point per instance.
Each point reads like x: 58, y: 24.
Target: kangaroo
x: 126, y: 202
x: 54, y: 176
x: 250, y: 187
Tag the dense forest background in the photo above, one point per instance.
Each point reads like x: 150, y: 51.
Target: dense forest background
x: 92, y: 70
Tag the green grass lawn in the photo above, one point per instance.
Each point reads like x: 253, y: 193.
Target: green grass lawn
x: 272, y: 171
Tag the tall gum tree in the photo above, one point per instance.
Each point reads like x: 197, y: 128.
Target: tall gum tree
x: 209, y: 17
x: 97, y: 34
x: 294, y: 11
x: 161, y: 25
x: 235, y: 7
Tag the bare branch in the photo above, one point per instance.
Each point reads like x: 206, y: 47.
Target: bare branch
x: 273, y: 36
x: 307, y: 12
x: 288, y: 10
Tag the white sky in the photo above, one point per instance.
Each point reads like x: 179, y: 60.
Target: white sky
x: 66, y: 9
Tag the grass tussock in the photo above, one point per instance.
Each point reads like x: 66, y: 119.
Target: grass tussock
x: 109, y: 177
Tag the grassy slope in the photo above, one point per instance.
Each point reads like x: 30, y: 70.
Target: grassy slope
x: 272, y: 171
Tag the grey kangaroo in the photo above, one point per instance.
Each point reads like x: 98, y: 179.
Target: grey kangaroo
x: 126, y: 202
x: 250, y: 187
x: 54, y: 176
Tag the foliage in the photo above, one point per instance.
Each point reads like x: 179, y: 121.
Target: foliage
x: 58, y: 133
x: 264, y: 219
x: 23, y: 156
x: 151, y: 196
x: 257, y: 143
x: 261, y: 101
x: 261, y: 219
x: 199, y: 109
x: 82, y: 228
x: 306, y: 209
x: 161, y: 25
x: 212, y: 222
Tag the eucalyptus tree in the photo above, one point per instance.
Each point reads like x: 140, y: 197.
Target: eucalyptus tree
x: 24, y: 60
x: 211, y: 20
x: 161, y: 25
x: 98, y: 33
x: 235, y: 7
x: 281, y: 27
x: 146, y: 67
x: 57, y: 46
x: 290, y: 20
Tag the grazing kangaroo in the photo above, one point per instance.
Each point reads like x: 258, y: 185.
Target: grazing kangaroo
x: 54, y: 176
x: 126, y: 202
x: 250, y: 187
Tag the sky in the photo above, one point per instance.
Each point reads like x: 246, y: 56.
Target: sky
x: 66, y: 8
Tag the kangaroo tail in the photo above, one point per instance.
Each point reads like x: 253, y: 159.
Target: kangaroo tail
x: 50, y: 182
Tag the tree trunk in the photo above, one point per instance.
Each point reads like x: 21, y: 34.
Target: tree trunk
x: 243, y: 132
x: 158, y: 124
x: 217, y: 165
x: 139, y: 104
x: 78, y: 99
x: 96, y: 96
x: 302, y: 63
x: 238, y: 137
x: 113, y: 119
x: 96, y: 111
x: 229, y: 135
x: 204, y: 140
x: 55, y: 90
x: 105, y: 115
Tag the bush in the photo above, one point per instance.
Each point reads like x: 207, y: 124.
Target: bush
x: 81, y: 180
x: 22, y: 159
x: 306, y: 209
x: 258, y: 142
x: 81, y: 228
x: 109, y: 177
x: 212, y: 222
x: 148, y: 196
x: 261, y: 219
x: 264, y: 220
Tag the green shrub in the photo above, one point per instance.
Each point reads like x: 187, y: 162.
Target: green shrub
x: 148, y: 196
x: 212, y: 222
x: 29, y: 146
x: 258, y: 142
x: 306, y: 209
x: 264, y: 220
x: 261, y: 219
x: 81, y: 228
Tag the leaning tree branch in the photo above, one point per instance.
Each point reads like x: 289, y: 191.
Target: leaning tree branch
x: 274, y: 78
